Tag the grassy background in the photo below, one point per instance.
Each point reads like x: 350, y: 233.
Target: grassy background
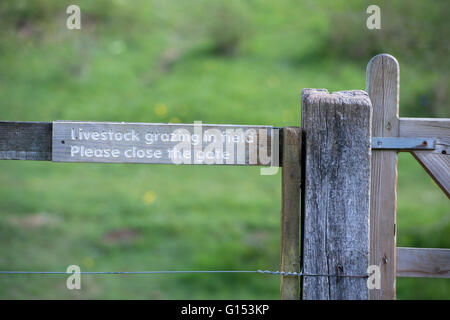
x: 239, y: 62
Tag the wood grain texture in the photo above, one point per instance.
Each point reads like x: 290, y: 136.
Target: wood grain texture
x: 423, y: 263
x: 437, y: 162
x: 290, y: 216
x: 428, y: 128
x: 25, y: 140
x: 21, y: 140
x: 437, y: 166
x: 336, y: 188
x: 120, y: 142
x: 382, y: 85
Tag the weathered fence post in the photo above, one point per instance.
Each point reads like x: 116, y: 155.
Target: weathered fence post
x: 336, y: 191
x: 290, y: 217
x: 382, y: 85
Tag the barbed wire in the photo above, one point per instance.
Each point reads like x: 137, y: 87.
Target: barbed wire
x: 283, y: 273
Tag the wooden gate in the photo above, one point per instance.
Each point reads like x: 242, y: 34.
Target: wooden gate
x: 339, y: 177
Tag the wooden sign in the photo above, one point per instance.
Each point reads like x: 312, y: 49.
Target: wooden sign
x: 196, y: 143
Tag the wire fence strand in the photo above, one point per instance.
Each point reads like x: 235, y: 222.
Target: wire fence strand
x: 283, y: 273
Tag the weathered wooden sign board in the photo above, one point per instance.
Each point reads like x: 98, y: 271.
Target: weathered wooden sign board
x: 197, y: 143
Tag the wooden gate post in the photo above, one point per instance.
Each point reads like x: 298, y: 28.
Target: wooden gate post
x: 336, y: 191
x: 382, y: 85
x: 290, y: 216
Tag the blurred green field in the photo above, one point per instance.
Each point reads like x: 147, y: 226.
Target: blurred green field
x: 224, y: 62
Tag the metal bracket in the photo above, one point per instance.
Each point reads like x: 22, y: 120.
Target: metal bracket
x: 392, y: 143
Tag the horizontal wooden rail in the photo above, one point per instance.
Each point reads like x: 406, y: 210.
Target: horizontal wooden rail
x: 33, y: 140
x: 424, y: 263
x: 26, y: 141
x: 428, y: 128
x: 51, y: 141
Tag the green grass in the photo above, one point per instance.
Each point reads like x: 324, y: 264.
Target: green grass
x: 96, y: 216
x: 110, y: 217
